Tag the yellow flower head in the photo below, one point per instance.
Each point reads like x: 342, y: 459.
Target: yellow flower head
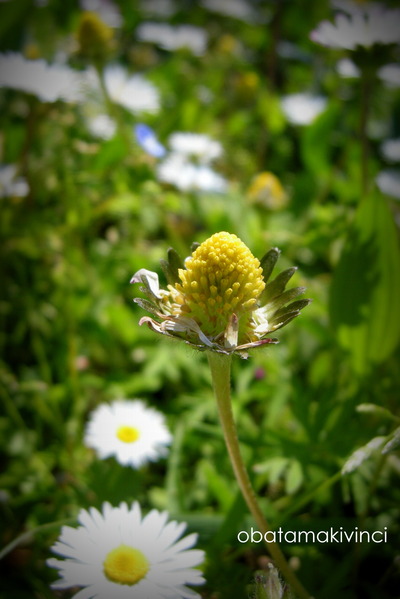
x: 95, y: 38
x: 219, y: 298
x: 221, y: 277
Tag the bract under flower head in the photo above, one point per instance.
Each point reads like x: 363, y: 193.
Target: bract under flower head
x: 220, y: 298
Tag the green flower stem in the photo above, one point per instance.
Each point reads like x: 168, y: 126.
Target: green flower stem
x: 27, y: 537
x: 220, y: 372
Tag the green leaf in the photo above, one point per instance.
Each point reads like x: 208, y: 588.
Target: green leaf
x: 294, y: 477
x: 365, y: 291
x: 317, y: 146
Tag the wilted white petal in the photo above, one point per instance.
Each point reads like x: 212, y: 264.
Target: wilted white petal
x: 143, y: 275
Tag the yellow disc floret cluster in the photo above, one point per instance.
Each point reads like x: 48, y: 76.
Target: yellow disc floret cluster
x: 125, y: 565
x: 222, y: 277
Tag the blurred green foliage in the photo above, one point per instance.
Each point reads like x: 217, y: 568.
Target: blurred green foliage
x: 95, y: 213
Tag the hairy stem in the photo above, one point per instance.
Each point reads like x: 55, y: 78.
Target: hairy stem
x: 220, y: 372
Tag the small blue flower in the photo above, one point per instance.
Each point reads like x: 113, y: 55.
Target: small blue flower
x: 147, y: 139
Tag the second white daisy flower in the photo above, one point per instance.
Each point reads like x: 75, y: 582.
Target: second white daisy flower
x: 119, y: 554
x: 128, y: 430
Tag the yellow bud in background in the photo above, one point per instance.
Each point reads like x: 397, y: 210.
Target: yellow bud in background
x: 95, y: 38
x: 266, y: 190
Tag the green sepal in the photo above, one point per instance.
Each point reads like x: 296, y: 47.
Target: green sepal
x: 146, y: 305
x: 268, y: 262
x: 283, y: 320
x: 171, y: 266
x: 284, y: 298
x: 293, y: 307
x: 277, y: 286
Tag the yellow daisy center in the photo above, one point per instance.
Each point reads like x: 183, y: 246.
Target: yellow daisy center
x: 222, y: 277
x: 125, y: 565
x: 128, y: 434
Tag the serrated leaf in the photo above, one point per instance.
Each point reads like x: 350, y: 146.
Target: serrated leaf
x: 365, y: 291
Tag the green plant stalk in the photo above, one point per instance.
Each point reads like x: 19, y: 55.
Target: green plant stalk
x: 27, y: 537
x: 220, y: 372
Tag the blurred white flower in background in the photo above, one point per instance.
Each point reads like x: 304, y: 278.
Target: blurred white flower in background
x: 390, y: 74
x: 157, y: 8
x: 101, y: 126
x: 353, y: 7
x: 347, y: 69
x: 11, y: 185
x: 196, y: 145
x: 302, y: 108
x: 187, y: 176
x: 128, y: 430
x: 174, y: 37
x: 134, y: 92
x: 388, y: 182
x: 366, y: 25
x: 48, y: 82
x: 238, y: 9
x: 188, y: 165
x: 117, y: 553
x: 108, y: 12
x: 390, y: 149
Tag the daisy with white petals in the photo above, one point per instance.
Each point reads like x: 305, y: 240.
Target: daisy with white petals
x: 128, y: 430
x: 188, y: 168
x: 134, y: 92
x: 364, y: 25
x: 195, y: 145
x: 48, y: 82
x: 302, y: 108
x: 390, y: 75
x: 174, y: 37
x: 11, y: 184
x: 118, y: 554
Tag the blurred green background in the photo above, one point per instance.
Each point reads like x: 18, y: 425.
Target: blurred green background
x: 82, y: 211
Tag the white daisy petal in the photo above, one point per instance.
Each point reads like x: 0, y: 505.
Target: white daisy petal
x: 153, y: 573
